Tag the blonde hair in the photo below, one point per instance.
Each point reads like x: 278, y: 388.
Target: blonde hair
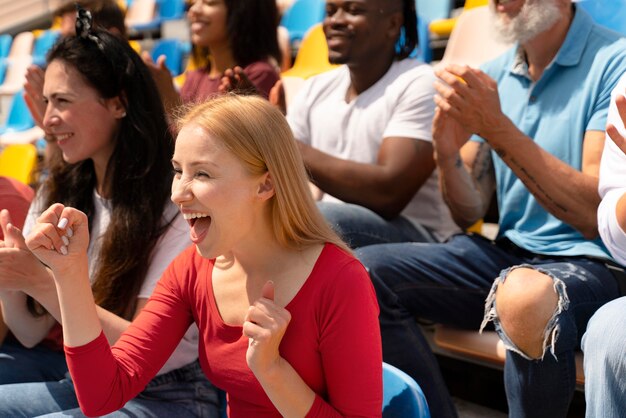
x: 258, y: 135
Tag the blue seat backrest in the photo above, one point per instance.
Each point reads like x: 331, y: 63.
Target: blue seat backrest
x: 171, y: 9
x: 43, y: 43
x: 3, y: 69
x: 609, y: 13
x: 402, y: 396
x: 19, y: 118
x: 173, y: 49
x: 301, y: 16
x: 5, y: 44
x: 430, y: 10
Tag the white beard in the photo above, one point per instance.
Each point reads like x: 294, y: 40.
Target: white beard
x: 535, y: 17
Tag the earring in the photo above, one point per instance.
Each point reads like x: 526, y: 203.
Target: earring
x: 124, y: 114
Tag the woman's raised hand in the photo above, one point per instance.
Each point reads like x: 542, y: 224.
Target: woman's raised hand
x: 265, y: 325
x: 60, y: 238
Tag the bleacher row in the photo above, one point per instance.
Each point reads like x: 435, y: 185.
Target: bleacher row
x: 466, y: 33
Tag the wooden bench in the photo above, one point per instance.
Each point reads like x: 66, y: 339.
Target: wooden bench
x: 485, y: 349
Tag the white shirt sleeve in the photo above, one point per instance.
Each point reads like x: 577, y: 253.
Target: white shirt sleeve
x: 612, y: 184
x: 170, y: 244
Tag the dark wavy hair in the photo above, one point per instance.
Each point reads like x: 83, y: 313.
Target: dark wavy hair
x: 252, y: 32
x: 106, y: 14
x: 408, y: 38
x: 138, y: 175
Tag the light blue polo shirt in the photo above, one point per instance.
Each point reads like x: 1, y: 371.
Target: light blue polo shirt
x: 571, y: 97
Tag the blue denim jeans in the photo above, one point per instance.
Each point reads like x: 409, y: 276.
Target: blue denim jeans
x: 449, y: 284
x: 604, y: 345
x: 359, y: 226
x: 19, y: 364
x: 183, y: 392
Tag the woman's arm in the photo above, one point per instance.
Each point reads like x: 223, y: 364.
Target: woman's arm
x: 21, y: 272
x: 23, y: 275
x: 103, y: 381
x: 29, y: 330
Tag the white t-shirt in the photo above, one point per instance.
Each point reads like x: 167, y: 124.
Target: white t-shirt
x: 169, y: 245
x: 613, y: 184
x: 400, y: 104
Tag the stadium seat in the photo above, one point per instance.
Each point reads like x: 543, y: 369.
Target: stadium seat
x: 18, y: 161
x: 15, y: 75
x: 140, y: 13
x: 443, y: 27
x: 43, y: 43
x: 402, y: 396
x: 485, y: 348
x: 19, y: 117
x: 427, y: 12
x: 22, y: 45
x: 174, y: 51
x: 312, y: 57
x: 5, y: 44
x: 472, y: 41
x: 300, y: 17
x: 148, y: 15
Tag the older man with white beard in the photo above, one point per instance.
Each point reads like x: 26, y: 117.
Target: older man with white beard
x: 537, y: 114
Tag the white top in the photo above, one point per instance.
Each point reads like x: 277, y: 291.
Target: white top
x: 400, y: 104
x: 169, y: 245
x: 613, y: 184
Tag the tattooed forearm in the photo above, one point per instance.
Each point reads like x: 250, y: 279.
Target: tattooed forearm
x: 533, y: 185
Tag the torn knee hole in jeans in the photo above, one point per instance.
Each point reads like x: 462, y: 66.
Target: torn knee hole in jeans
x: 551, y: 331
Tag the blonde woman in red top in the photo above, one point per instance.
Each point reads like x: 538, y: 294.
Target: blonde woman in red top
x: 287, y: 316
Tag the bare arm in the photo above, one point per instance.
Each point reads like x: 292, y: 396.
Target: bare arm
x: 531, y: 163
x: 386, y: 187
x: 20, y: 270
x: 466, y: 174
x: 475, y: 104
x: 69, y: 265
x: 26, y: 275
x: 164, y: 82
x: 33, y: 93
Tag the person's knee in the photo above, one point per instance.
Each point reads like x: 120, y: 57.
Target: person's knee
x: 526, y: 302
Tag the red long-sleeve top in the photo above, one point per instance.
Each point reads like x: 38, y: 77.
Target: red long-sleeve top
x: 332, y: 341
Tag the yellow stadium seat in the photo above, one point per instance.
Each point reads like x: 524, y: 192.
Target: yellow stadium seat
x: 18, y: 161
x: 443, y: 27
x: 312, y: 56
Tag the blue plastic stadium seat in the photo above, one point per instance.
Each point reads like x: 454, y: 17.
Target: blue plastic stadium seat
x: 3, y: 69
x: 402, y: 396
x: 19, y: 118
x: 174, y: 51
x: 427, y: 11
x: 301, y: 16
x: 43, y: 43
x: 167, y: 10
x: 5, y: 44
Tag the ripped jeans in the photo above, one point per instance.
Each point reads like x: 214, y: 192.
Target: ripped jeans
x: 449, y: 284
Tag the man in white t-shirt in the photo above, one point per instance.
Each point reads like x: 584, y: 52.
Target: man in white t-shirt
x: 364, y: 129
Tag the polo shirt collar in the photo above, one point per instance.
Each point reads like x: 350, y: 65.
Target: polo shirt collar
x: 572, y: 49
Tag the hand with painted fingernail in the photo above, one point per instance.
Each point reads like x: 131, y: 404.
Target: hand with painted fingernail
x: 60, y: 238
